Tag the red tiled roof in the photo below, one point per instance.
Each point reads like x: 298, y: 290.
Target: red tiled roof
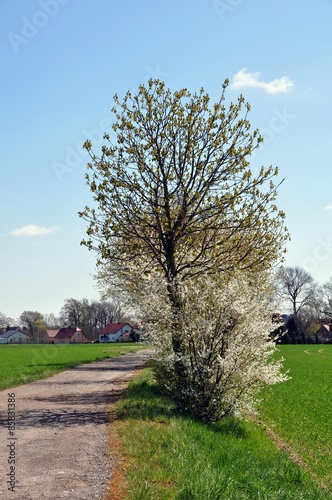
x: 67, y: 333
x: 113, y: 328
x: 52, y: 333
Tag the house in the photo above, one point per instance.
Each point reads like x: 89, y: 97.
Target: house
x: 69, y: 335
x: 49, y: 336
x: 115, y: 332
x: 14, y: 335
x: 324, y: 334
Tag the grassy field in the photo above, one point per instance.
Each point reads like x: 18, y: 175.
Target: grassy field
x: 300, y: 410
x: 171, y: 456
x: 20, y: 364
x: 174, y: 457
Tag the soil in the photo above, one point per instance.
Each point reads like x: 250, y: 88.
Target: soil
x: 61, y: 446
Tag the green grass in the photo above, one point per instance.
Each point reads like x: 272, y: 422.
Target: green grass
x: 176, y: 457
x: 20, y: 364
x: 300, y: 410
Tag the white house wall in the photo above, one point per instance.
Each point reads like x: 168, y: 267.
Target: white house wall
x: 113, y: 337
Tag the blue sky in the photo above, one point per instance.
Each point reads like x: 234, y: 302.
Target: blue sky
x: 62, y: 62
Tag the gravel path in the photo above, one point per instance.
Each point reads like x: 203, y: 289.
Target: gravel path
x: 60, y: 441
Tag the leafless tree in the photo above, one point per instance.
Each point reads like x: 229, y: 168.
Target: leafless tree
x: 5, y: 321
x: 298, y: 288
x: 91, y: 316
x: 326, y: 299
x: 52, y: 321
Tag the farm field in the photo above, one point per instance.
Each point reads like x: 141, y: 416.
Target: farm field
x: 299, y: 410
x: 20, y: 364
x: 168, y: 455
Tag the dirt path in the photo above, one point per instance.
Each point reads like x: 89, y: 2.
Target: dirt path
x: 59, y: 446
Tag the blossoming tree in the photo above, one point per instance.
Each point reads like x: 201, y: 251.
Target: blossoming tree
x: 176, y: 202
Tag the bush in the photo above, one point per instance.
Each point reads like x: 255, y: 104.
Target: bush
x: 226, y: 349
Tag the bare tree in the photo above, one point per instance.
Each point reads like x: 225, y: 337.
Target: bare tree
x: 297, y: 287
x: 72, y: 312
x: 52, y: 321
x: 5, y: 320
x: 326, y: 299
x: 91, y: 316
x: 108, y: 312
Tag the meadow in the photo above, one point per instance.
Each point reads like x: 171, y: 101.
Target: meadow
x: 22, y: 363
x: 172, y: 456
x: 299, y: 410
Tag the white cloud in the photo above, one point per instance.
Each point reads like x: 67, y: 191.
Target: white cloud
x: 33, y: 230
x: 328, y: 207
x: 243, y: 79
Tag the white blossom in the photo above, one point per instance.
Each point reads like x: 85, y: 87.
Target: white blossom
x: 226, y: 331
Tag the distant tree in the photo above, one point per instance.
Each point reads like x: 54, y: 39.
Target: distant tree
x: 89, y: 320
x: 53, y: 322
x: 297, y: 287
x: 72, y: 312
x: 28, y: 318
x: 90, y: 316
x: 39, y: 329
x: 5, y: 321
x: 34, y: 322
x: 309, y: 321
x: 326, y: 299
x: 108, y: 312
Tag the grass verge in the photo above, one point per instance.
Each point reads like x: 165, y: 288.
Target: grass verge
x: 20, y: 364
x: 171, y: 456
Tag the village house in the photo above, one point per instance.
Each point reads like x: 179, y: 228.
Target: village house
x: 13, y: 335
x: 116, y: 332
x: 49, y: 336
x: 324, y: 334
x: 69, y: 335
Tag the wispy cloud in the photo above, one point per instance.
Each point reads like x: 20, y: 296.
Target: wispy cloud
x: 33, y: 230
x: 243, y: 79
x: 328, y: 207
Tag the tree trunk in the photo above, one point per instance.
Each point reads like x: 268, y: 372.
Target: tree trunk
x: 179, y: 349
